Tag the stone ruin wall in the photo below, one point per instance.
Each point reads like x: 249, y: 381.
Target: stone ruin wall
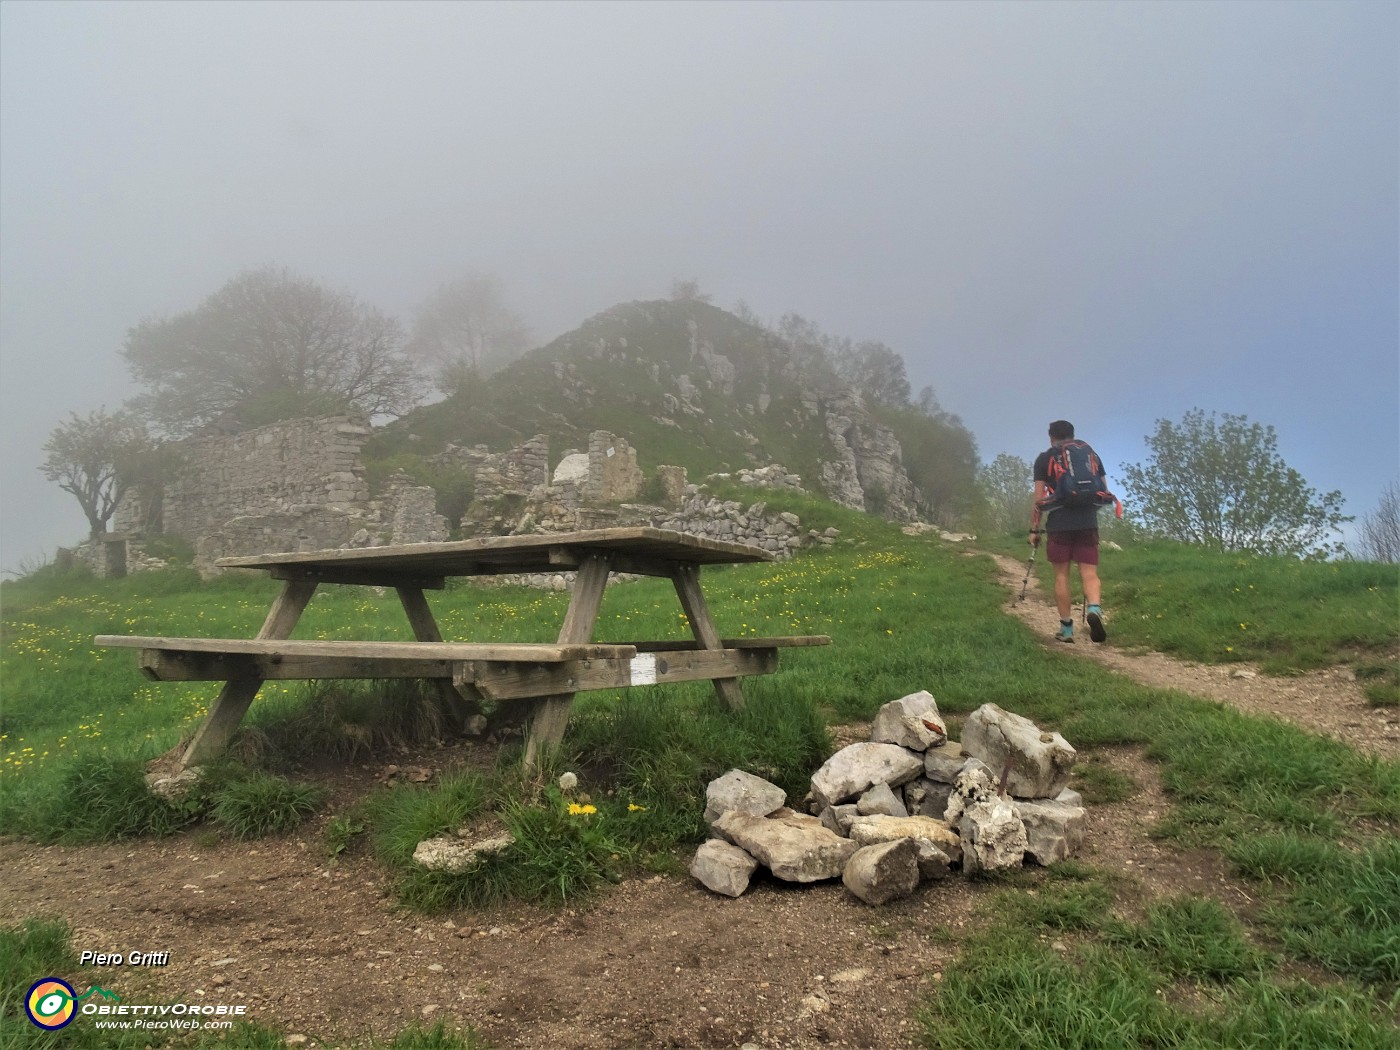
x: 300, y: 485
x: 295, y: 485
x: 279, y: 469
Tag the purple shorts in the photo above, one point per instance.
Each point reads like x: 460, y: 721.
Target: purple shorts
x: 1080, y: 546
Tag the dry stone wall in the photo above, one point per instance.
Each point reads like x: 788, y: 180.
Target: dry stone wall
x: 780, y: 532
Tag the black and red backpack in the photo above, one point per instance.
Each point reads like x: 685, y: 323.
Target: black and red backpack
x: 1077, y: 479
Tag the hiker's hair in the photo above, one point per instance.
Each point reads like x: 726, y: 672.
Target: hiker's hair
x: 1061, y: 430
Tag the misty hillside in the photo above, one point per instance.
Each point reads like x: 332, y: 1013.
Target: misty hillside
x: 689, y: 384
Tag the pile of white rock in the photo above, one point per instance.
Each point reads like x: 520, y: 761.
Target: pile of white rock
x: 906, y: 806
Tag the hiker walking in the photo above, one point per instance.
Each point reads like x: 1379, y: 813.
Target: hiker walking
x: 1070, y: 489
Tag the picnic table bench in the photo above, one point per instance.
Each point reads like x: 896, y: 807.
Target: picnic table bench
x: 544, y: 675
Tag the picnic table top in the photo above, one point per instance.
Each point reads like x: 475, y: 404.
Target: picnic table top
x: 537, y: 552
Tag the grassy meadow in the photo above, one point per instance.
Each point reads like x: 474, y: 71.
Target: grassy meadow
x: 1312, y: 824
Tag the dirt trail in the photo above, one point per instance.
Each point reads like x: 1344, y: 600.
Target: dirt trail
x: 1328, y: 702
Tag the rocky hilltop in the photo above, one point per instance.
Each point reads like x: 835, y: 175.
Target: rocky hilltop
x: 691, y: 385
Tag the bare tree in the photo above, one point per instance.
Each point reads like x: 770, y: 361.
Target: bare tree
x: 270, y: 345
x: 1379, y: 531
x: 97, y: 457
x: 465, y: 330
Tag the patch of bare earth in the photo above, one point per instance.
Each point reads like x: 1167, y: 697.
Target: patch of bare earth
x: 321, y: 950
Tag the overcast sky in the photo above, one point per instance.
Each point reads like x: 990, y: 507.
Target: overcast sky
x: 1111, y: 213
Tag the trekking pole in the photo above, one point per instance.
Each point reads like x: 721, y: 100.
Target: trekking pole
x: 1030, y: 564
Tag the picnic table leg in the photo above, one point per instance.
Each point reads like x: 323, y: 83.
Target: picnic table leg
x: 461, y: 702
x: 687, y: 581
x: 232, y: 703
x: 550, y: 714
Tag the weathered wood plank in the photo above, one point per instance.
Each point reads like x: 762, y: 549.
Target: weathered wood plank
x: 550, y: 715
x: 495, y: 680
x: 566, y: 558
x: 225, y: 714
x: 509, y: 554
x: 229, y: 707
x: 287, y: 608
x: 795, y: 641
x: 460, y: 703
x: 501, y: 681
x: 371, y: 577
x: 163, y: 665
x: 687, y: 582
x: 544, y: 652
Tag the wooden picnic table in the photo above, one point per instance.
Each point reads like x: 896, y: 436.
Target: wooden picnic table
x: 545, y: 676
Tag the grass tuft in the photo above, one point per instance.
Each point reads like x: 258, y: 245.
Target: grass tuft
x: 102, y: 799
x: 1192, y: 938
x: 262, y: 804
x: 404, y: 815
x: 1100, y: 783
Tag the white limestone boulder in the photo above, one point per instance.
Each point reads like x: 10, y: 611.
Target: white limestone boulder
x: 883, y: 872
x: 926, y: 798
x: 1054, y: 830
x: 856, y: 768
x: 911, y: 721
x: 455, y: 856
x: 795, y: 847
x: 866, y: 831
x: 573, y: 468
x: 944, y: 763
x: 993, y: 836
x: 972, y: 785
x: 741, y: 791
x: 1040, y: 762
x: 838, y: 818
x: 881, y: 799
x: 723, y: 867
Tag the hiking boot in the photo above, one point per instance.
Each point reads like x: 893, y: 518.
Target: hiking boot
x: 1093, y: 616
x: 1065, y: 633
